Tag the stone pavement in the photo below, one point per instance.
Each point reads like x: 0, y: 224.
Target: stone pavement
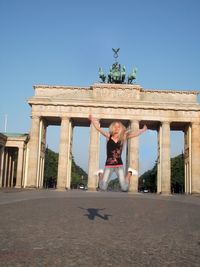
x: 79, y: 228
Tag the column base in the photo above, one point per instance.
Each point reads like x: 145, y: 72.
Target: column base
x: 166, y: 193
x: 133, y: 192
x: 30, y: 187
x: 92, y: 189
x: 133, y: 188
x: 61, y: 189
x: 18, y: 186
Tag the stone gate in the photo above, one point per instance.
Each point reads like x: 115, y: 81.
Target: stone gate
x: 160, y: 110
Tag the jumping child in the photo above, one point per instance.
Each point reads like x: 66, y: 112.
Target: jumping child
x: 116, y: 138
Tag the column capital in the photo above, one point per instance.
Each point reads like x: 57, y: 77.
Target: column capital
x: 35, y: 117
x: 21, y: 146
x: 195, y: 123
x: 97, y: 118
x: 165, y: 122
x: 134, y: 120
x: 134, y: 123
x: 65, y: 118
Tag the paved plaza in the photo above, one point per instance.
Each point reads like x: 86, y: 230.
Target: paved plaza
x: 80, y: 228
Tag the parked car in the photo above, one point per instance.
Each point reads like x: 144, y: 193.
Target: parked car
x: 82, y: 187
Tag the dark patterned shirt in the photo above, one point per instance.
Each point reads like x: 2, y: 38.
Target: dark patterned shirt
x: 114, y: 151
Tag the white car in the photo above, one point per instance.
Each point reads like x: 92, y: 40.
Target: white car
x: 82, y: 186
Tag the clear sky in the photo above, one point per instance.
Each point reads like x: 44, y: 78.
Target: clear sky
x: 62, y: 42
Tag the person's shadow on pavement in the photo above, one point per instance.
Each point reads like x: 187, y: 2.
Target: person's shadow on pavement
x: 93, y: 213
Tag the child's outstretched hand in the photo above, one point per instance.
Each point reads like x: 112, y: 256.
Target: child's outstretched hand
x: 90, y: 117
x: 95, y: 122
x: 144, y: 128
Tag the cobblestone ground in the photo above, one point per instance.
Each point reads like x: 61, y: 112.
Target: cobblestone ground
x: 78, y: 228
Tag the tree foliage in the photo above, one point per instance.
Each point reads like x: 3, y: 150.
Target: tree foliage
x: 50, y: 168
x: 177, y: 174
x: 78, y: 175
x: 114, y: 184
x: 148, y: 180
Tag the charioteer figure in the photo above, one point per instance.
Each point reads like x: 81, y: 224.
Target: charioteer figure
x: 117, y: 74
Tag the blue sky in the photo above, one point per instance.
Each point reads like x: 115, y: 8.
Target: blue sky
x: 61, y: 42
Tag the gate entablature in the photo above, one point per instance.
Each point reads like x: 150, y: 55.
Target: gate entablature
x: 108, y: 101
x: 112, y: 93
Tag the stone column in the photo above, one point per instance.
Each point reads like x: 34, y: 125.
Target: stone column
x: 1, y: 166
x: 19, y: 167
x: 159, y: 156
x: 5, y: 170
x: 12, y: 171
x: 187, y: 159
x: 165, y: 159
x: 42, y: 152
x: 69, y: 164
x: 93, y: 157
x: 195, y: 138
x: 41, y: 179
x: 24, y: 165
x: 63, y: 153
x: 133, y: 156
x: 9, y: 169
x: 39, y: 155
x: 33, y: 155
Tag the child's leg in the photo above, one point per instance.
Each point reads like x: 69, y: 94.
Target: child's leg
x: 98, y: 174
x: 130, y: 173
x: 124, y: 181
x: 105, y: 178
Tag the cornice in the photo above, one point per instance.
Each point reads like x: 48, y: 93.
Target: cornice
x: 118, y: 86
x: 108, y: 104
x: 59, y: 87
x: 169, y: 91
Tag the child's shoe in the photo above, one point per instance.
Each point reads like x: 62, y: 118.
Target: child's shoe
x: 133, y: 171
x: 98, y: 172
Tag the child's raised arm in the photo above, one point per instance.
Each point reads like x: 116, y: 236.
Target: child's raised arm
x: 97, y: 126
x: 136, y: 133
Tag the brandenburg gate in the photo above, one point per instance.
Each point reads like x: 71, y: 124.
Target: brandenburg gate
x: 160, y: 110
x: 112, y: 99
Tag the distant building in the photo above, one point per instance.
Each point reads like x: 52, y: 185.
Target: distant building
x: 13, y: 159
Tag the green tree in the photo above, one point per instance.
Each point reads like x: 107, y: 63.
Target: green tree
x: 78, y: 175
x: 114, y: 184
x: 50, y: 168
x: 148, y: 180
x: 177, y: 174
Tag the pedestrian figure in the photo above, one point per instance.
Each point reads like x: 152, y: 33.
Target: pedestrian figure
x: 116, y: 137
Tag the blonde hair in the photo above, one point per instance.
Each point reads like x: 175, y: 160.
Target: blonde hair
x: 122, y: 131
